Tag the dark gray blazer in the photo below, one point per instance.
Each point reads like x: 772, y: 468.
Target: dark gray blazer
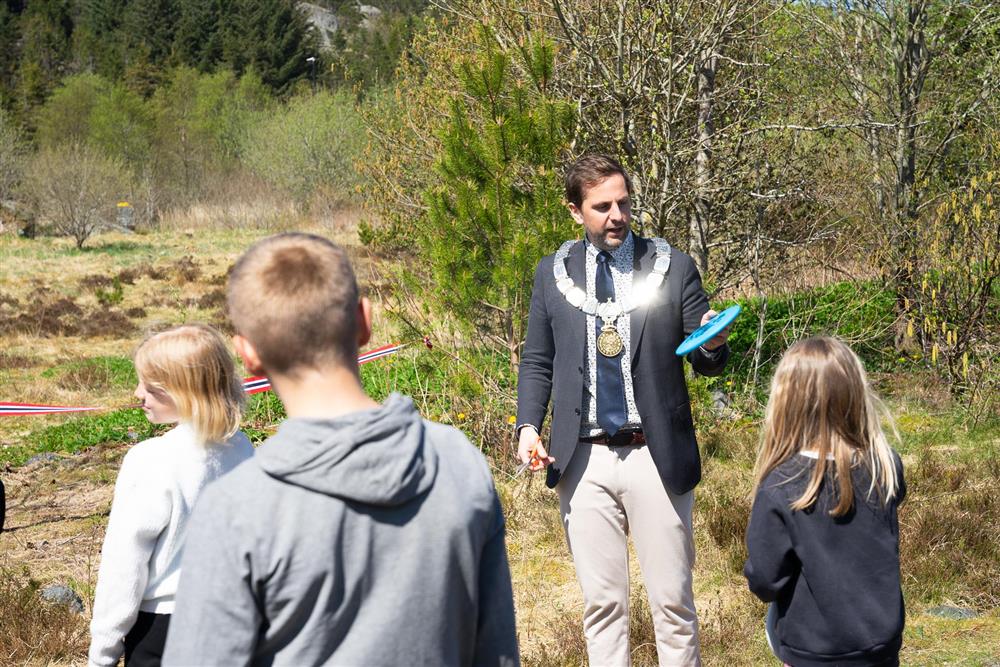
x: 554, y: 358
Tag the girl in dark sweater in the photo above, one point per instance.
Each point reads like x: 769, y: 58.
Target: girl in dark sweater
x: 823, y: 538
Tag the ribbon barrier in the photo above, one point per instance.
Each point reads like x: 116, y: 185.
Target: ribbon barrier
x: 19, y: 409
x: 251, y: 385
x: 257, y: 384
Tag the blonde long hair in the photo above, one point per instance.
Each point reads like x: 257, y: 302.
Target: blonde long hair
x: 821, y: 400
x: 192, y: 365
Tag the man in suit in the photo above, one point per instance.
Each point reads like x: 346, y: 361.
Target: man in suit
x: 606, y: 315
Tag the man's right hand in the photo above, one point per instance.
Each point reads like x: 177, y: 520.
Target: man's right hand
x: 529, y: 448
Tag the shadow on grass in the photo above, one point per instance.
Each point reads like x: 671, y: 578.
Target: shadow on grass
x: 54, y: 519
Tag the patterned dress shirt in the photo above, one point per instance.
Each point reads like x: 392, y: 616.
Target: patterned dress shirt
x: 621, y: 272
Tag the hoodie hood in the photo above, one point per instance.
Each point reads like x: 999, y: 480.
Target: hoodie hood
x: 376, y: 456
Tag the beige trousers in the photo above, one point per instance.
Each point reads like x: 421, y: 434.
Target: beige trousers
x: 605, y: 494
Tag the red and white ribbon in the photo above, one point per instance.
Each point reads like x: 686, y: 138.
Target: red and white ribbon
x: 379, y: 352
x: 257, y: 384
x: 251, y: 385
x: 16, y: 409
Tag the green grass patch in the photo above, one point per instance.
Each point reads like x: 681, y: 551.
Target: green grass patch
x: 263, y: 413
x: 113, y: 248
x: 948, y: 432
x: 415, y: 373
x: 932, y: 642
x: 435, y: 379
x: 473, y: 391
x: 94, y: 373
x: 118, y: 427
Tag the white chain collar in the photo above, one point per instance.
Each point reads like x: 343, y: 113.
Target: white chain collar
x: 610, y: 311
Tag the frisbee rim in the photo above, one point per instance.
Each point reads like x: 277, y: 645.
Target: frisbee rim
x: 708, y: 331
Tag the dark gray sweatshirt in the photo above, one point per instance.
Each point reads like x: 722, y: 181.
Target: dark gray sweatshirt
x: 834, y: 580
x: 373, y: 539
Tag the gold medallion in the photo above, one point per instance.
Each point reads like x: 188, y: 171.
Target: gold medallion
x: 609, y: 343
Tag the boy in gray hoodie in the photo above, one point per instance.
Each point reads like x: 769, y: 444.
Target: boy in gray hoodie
x: 359, y: 534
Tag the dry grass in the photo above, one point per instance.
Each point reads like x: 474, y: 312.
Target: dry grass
x: 9, y: 361
x: 251, y: 215
x: 50, y: 311
x: 64, y: 317
x: 253, y: 204
x: 56, y: 515
x: 950, y: 533
x: 35, y: 632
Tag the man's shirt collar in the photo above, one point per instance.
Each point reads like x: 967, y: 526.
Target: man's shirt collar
x: 626, y: 245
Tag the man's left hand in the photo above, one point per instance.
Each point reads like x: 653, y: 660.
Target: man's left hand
x: 719, y: 340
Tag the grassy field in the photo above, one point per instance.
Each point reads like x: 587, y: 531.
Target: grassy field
x: 70, y: 319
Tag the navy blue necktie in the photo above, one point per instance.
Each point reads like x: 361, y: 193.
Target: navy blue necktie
x: 611, y: 413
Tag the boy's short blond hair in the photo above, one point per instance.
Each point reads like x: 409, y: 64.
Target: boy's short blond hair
x: 295, y: 298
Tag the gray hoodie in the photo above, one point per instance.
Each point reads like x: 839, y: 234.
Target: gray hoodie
x: 373, y: 539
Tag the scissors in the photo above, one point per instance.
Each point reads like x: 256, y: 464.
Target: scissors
x: 527, y: 464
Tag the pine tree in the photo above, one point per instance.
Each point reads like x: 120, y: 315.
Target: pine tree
x: 499, y: 206
x: 198, y: 40
x: 45, y: 27
x: 149, y: 27
x: 9, y: 40
x: 103, y: 17
x: 270, y: 36
x: 100, y: 46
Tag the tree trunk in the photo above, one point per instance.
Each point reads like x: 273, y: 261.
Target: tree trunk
x: 699, y: 225
x: 910, y: 69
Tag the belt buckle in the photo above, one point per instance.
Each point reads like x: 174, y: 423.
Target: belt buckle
x: 626, y: 438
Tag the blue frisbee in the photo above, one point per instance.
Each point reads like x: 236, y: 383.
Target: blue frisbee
x: 709, y: 330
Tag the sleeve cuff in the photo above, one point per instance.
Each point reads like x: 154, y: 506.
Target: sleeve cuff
x: 712, y: 354
x: 517, y: 429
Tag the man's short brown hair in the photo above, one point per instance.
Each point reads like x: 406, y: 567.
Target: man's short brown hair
x: 295, y: 298
x: 588, y: 171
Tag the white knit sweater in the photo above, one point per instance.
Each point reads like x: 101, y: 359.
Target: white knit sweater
x: 157, y: 486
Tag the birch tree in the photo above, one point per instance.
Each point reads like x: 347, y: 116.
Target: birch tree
x: 650, y: 88
x: 12, y: 152
x: 914, y: 81
x: 74, y: 189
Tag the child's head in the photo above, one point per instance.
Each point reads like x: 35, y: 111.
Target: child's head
x: 821, y: 401
x: 294, y: 298
x: 186, y: 375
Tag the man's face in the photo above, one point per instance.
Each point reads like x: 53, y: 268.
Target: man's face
x: 606, y: 212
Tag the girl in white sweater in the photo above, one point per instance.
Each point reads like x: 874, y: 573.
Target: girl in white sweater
x: 186, y: 377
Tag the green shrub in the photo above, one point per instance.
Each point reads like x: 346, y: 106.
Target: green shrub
x: 860, y: 313
x: 111, y: 296
x: 310, y: 147
x: 65, y: 118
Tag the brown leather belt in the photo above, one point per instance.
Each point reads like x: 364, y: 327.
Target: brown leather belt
x: 619, y: 439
